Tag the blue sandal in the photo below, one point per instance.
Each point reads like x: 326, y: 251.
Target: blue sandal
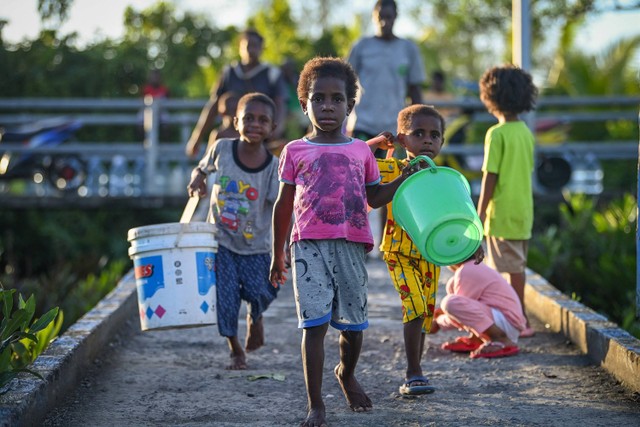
x: 410, y: 388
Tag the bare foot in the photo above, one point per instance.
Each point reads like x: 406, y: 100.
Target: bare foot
x: 238, y: 358
x: 255, y: 334
x: 315, y: 418
x: 356, y: 397
x: 238, y: 362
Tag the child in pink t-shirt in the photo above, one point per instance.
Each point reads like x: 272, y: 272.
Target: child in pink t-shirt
x: 326, y: 181
x: 480, y: 301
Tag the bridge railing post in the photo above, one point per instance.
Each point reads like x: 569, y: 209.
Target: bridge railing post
x: 151, y: 143
x: 638, y: 229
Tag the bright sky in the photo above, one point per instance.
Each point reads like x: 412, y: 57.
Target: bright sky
x: 94, y: 19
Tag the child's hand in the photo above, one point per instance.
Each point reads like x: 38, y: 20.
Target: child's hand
x: 479, y: 255
x: 411, y: 169
x: 198, y: 184
x: 383, y: 141
x: 277, y: 273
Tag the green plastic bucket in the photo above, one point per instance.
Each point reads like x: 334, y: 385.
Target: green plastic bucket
x: 434, y: 207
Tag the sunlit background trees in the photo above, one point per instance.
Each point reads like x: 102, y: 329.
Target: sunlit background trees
x: 461, y: 37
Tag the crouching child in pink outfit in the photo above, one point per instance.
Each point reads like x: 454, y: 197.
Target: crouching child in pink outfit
x: 480, y: 301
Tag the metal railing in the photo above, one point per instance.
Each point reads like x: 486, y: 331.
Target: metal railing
x: 155, y: 169
x: 184, y: 113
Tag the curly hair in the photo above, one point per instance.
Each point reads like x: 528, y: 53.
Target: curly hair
x: 321, y: 67
x: 406, y: 115
x: 508, y: 89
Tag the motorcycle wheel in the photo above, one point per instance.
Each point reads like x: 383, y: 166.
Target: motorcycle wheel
x: 67, y: 173
x: 553, y: 172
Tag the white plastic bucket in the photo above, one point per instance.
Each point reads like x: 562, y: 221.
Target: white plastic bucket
x: 174, y: 267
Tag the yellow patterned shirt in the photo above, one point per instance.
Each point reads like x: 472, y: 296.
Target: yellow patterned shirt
x: 395, y: 238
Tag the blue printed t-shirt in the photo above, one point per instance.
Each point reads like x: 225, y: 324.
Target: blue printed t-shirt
x: 330, y: 199
x: 242, y: 198
x: 508, y: 152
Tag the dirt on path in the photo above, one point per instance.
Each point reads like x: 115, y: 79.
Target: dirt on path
x: 177, y: 378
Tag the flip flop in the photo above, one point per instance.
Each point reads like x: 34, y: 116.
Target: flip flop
x: 408, y: 389
x: 503, y: 350
x: 461, y: 345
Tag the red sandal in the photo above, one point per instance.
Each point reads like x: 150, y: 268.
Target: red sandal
x: 462, y: 345
x: 502, y: 350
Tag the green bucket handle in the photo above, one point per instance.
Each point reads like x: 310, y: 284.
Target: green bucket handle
x: 432, y: 165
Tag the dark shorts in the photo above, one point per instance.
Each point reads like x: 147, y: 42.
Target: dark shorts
x: 241, y: 278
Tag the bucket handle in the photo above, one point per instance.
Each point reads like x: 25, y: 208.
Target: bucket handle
x: 187, y: 214
x: 432, y: 165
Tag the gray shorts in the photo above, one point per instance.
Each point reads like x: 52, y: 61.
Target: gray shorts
x: 330, y: 283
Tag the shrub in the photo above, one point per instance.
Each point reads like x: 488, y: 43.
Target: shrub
x: 88, y: 292
x: 69, y: 258
x: 591, y: 255
x: 22, y: 340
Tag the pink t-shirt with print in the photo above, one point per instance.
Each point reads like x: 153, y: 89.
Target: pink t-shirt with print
x: 330, y: 179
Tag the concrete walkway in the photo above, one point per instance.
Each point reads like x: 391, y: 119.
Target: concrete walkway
x: 104, y: 371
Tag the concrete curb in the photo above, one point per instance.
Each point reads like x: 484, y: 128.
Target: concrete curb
x: 616, y: 350
x: 63, y: 363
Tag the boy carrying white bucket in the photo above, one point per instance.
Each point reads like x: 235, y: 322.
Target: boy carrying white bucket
x: 244, y: 191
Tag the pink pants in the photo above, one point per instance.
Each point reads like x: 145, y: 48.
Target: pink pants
x: 467, y: 313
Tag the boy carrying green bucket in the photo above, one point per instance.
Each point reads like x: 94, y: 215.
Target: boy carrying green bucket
x: 420, y: 133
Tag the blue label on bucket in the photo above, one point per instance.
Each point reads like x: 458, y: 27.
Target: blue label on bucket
x: 205, y: 262
x: 149, y: 276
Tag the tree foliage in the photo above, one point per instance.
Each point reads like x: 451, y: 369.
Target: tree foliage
x: 177, y: 45
x: 462, y: 37
x: 54, y: 10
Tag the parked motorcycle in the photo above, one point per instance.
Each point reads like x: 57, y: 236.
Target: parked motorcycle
x: 65, y: 172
